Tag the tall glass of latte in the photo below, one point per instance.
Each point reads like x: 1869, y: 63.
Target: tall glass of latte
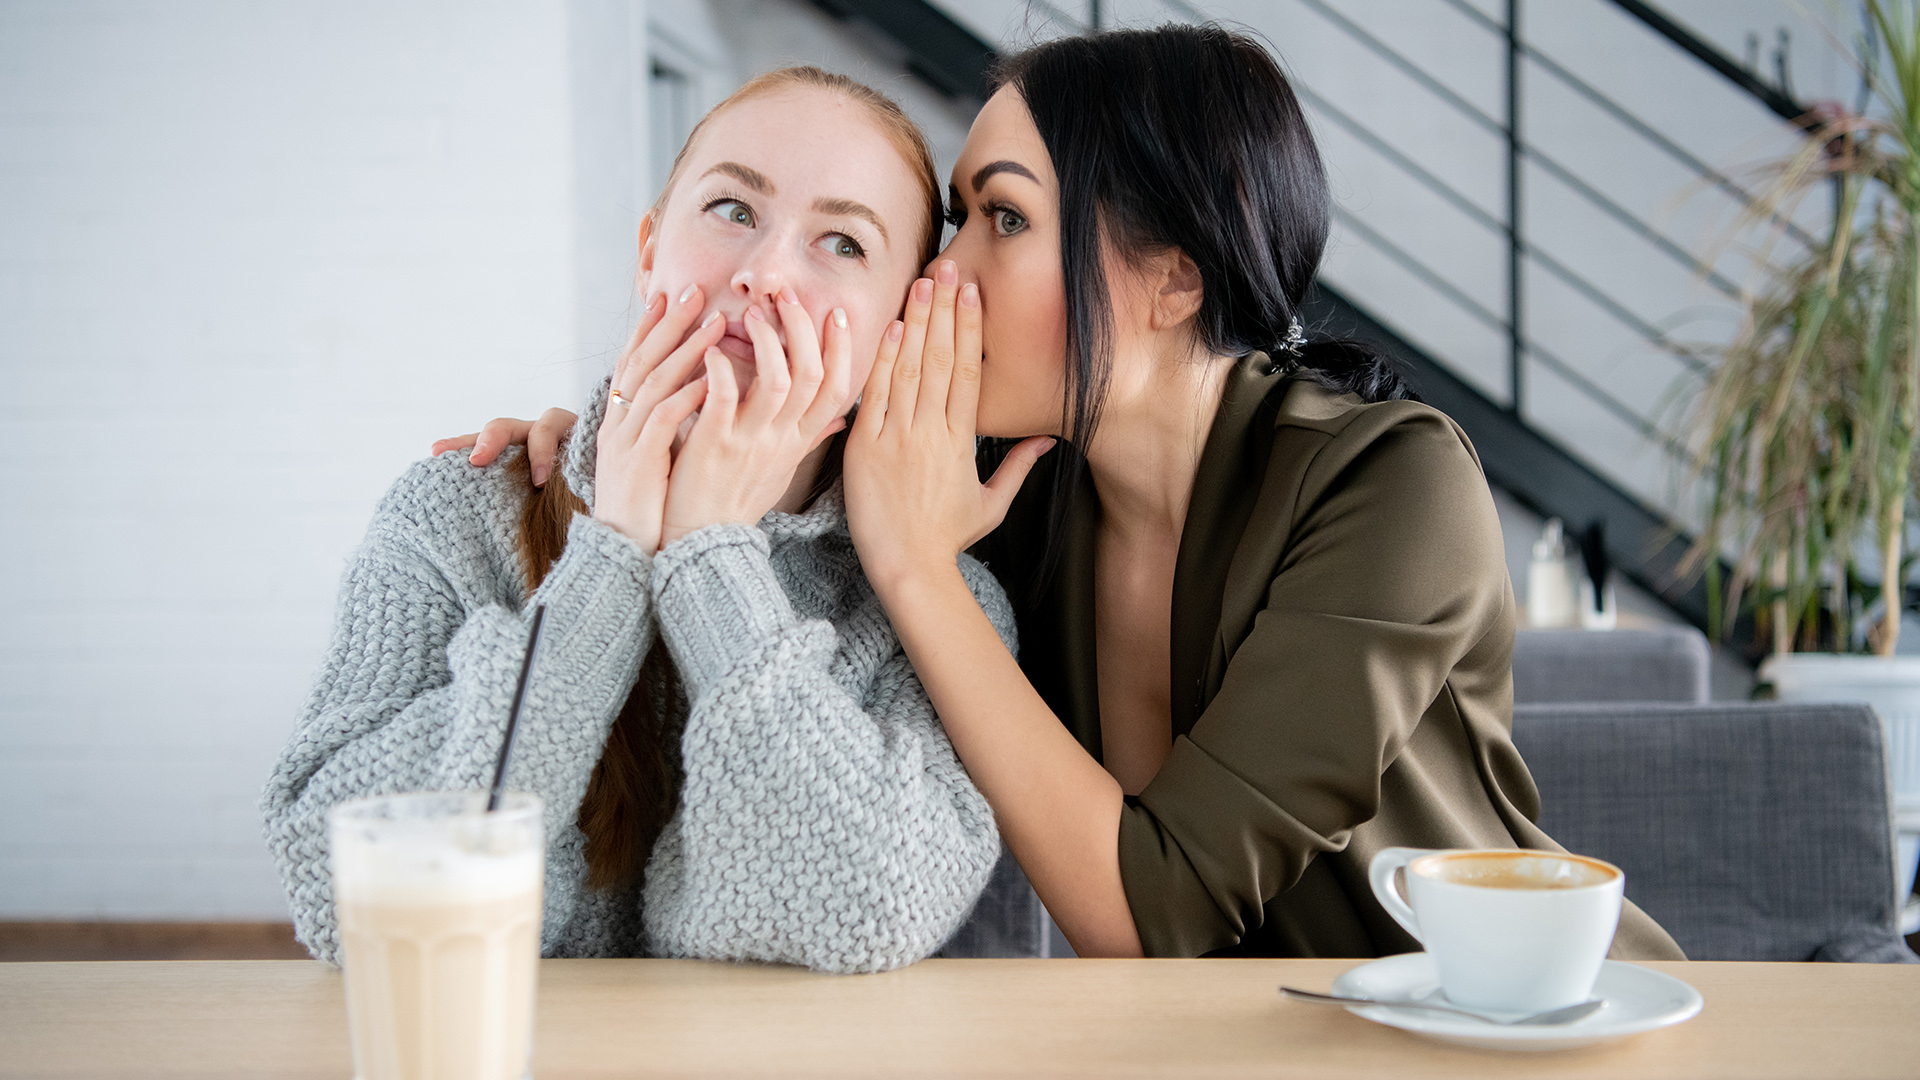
x: 438, y: 904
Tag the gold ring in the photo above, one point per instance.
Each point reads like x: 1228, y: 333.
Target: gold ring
x: 614, y: 398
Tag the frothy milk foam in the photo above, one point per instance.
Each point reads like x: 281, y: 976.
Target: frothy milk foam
x: 441, y: 936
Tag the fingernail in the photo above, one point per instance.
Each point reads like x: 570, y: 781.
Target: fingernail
x: 922, y: 291
x: 946, y: 273
x: 708, y: 321
x: 658, y: 303
x: 970, y: 295
x: 787, y: 294
x: 895, y: 329
x: 753, y: 312
x: 540, y: 475
x: 840, y: 318
x: 688, y: 295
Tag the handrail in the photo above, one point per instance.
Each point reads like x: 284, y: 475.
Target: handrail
x: 1782, y: 105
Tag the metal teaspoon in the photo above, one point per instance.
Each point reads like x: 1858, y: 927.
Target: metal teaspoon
x: 1565, y: 1015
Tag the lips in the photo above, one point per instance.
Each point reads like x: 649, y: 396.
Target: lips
x: 737, y: 344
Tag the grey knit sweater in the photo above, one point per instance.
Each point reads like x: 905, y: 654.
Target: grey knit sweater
x: 823, y: 820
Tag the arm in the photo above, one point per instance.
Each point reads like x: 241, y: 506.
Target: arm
x: 915, y: 501
x: 414, y: 691
x: 1057, y: 807
x: 824, y: 819
x: 1385, y: 585
x: 417, y: 684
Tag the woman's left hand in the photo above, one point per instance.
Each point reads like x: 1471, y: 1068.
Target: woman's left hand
x: 914, y: 496
x: 741, y: 456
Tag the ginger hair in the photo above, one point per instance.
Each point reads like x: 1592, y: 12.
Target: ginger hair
x: 633, y: 790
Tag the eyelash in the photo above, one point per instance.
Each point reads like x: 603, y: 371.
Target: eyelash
x: 957, y: 215
x: 728, y: 197
x: 859, y: 249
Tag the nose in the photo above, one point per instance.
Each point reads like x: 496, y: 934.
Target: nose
x: 761, y: 278
x: 959, y: 254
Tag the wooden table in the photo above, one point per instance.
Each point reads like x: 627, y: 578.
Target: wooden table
x: 1017, y: 1018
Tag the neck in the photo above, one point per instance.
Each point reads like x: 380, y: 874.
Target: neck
x: 1147, y: 450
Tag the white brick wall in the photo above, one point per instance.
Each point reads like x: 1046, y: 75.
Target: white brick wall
x: 253, y: 257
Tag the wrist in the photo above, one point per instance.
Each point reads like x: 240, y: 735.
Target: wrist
x: 902, y: 583
x: 642, y: 532
x: 671, y: 531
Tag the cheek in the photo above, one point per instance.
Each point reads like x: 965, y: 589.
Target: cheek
x: 1026, y: 332
x: 1022, y: 382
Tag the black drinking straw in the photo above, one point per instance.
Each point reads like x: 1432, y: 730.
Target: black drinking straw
x: 513, y: 717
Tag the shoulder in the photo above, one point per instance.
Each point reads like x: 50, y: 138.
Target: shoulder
x: 461, y: 518
x: 1333, y: 441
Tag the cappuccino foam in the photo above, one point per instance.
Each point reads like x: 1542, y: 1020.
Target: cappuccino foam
x: 1515, y: 870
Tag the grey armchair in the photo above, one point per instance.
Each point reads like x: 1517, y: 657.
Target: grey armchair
x: 1667, y: 663
x: 1749, y: 831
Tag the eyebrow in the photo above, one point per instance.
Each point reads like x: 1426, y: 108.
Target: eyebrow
x: 753, y: 178
x: 992, y: 167
x: 849, y: 208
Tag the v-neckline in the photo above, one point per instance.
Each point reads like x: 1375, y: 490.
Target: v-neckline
x: 1225, y: 487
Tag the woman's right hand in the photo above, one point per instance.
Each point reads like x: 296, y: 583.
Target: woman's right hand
x: 542, y: 438
x: 651, y: 398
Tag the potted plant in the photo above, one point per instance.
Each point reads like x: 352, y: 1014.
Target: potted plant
x: 1805, y: 432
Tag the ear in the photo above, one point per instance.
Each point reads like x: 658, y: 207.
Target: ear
x: 1180, y: 291
x: 645, y: 266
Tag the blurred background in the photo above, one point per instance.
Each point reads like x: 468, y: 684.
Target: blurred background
x: 255, y: 257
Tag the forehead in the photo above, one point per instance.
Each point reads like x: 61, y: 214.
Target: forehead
x: 811, y: 143
x: 1003, y: 131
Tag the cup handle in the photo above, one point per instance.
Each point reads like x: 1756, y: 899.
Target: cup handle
x: 1380, y: 873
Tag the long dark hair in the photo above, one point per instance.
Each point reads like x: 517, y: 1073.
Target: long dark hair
x: 1185, y: 137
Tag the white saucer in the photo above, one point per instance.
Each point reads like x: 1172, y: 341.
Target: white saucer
x: 1638, y: 999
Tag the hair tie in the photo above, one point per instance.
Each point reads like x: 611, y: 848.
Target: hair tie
x: 1296, y: 337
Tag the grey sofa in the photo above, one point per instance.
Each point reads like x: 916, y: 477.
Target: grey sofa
x: 1750, y: 831
x: 1667, y: 663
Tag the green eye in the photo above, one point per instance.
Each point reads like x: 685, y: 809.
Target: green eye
x: 1008, y: 222
x: 734, y: 211
x: 847, y: 248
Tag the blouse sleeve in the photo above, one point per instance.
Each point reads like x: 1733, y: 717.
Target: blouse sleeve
x: 1383, y: 587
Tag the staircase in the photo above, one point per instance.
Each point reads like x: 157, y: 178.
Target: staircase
x: 1529, y: 198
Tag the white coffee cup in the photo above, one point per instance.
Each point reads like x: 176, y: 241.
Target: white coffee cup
x: 1510, y: 931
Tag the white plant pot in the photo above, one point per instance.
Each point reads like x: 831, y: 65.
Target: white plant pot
x: 1892, y: 686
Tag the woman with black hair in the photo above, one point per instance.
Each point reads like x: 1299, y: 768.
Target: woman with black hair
x: 1265, y: 617
x: 1266, y: 624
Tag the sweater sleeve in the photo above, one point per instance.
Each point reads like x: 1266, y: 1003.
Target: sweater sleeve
x: 824, y: 819
x: 419, y: 676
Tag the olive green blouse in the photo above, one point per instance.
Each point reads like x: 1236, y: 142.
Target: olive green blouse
x: 1342, y: 647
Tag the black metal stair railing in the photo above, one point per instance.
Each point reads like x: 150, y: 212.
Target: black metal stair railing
x: 1643, y: 542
